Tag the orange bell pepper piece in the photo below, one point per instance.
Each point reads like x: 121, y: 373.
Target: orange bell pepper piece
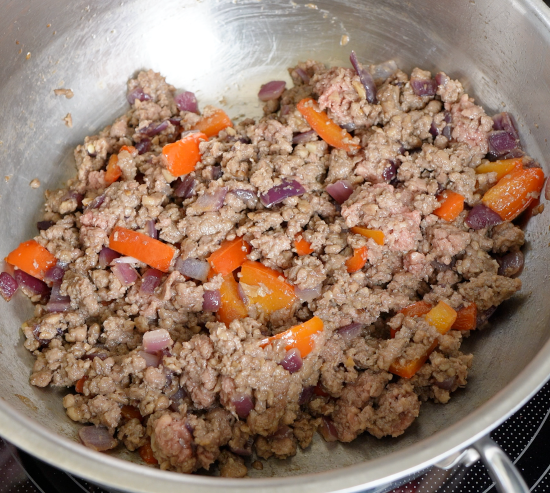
x: 113, y: 171
x: 415, y: 310
x: 466, y: 318
x: 232, y: 306
x: 79, y: 385
x: 442, y: 317
x: 375, y: 234
x: 131, y: 412
x: 451, y: 204
x: 130, y: 149
x: 229, y: 256
x: 153, y: 252
x: 358, y: 260
x: 329, y: 131
x: 32, y: 258
x: 299, y: 336
x: 409, y: 368
x: 514, y: 192
x: 280, y: 293
x: 501, y: 167
x: 181, y: 157
x: 303, y: 247
x: 146, y: 453
x: 214, y: 123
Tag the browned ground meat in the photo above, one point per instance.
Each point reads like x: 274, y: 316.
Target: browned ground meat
x: 188, y: 405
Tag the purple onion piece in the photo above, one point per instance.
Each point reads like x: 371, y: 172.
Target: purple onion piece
x: 177, y: 398
x: 350, y: 332
x: 434, y: 131
x: 304, y: 137
x: 210, y: 202
x: 143, y: 146
x: 308, y: 295
x: 217, y: 172
x: 424, y: 87
x: 340, y: 191
x: 125, y: 273
x: 137, y: 93
x: 481, y: 216
x: 184, y: 187
x: 285, y: 109
x: 193, y: 268
x: 154, y: 128
x: 151, y: 359
x: 176, y: 121
x: 55, y: 273
x: 32, y: 284
x: 306, y: 395
x: 187, y: 101
x: 245, y: 451
x: 96, y: 203
x: 350, y: 127
x: 505, y: 121
x: 502, y: 143
x: 58, y: 303
x: 97, y: 438
x: 106, y: 256
x: 441, y: 79
x: 390, y: 172
x: 511, y: 264
x: 447, y: 132
x: 272, y: 90
x: 43, y: 225
x: 303, y: 74
x: 242, y: 294
x: 328, y: 430
x: 366, y: 79
x: 283, y: 431
x: 150, y: 281
x: 245, y: 195
x: 243, y: 405
x: 156, y: 340
x: 211, y: 301
x: 288, y: 188
x: 91, y: 356
x: 446, y: 384
x: 150, y: 229
x: 292, y: 361
x: 483, y: 317
x: 8, y: 286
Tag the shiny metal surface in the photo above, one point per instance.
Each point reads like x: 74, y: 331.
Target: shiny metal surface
x: 223, y: 50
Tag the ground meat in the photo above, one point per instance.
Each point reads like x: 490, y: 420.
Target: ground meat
x: 229, y: 383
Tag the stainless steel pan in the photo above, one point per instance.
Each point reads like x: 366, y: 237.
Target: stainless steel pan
x: 223, y: 50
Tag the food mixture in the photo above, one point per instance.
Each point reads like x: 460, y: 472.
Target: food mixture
x: 215, y: 292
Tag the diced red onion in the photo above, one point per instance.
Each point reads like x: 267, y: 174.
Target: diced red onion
x: 390, y: 172
x: 96, y: 203
x: 106, y: 256
x: 125, y: 260
x: 8, y: 286
x: 447, y: 129
x: 308, y: 294
x: 481, y: 216
x: 350, y: 127
x: 211, y: 301
x: 242, y: 294
x: 150, y: 281
x: 137, y: 93
x: 217, y: 172
x: 97, y: 438
x: 43, y: 225
x: 303, y: 74
x: 366, y: 79
x: 245, y: 451
x: 304, y: 137
x: 193, y: 268
x: 156, y: 340
x: 244, y: 194
x: 154, y: 128
x: 483, y: 317
x: 55, y: 273
x: 306, y: 395
x: 187, y: 101
x: 381, y: 72
x: 184, y: 187
x: 176, y: 121
x: 91, y: 356
x: 446, y: 384
x: 283, y: 431
x: 151, y: 359
x: 151, y: 230
x: 441, y: 79
x: 350, y: 332
x: 243, y: 405
x: 143, y: 146
x: 502, y: 143
x: 434, y: 131
x: 58, y: 303
x: 505, y: 121
x: 511, y: 264
x: 272, y: 90
x: 177, y: 398
x: 71, y: 194
x: 32, y: 284
x: 292, y: 361
x: 340, y: 191
x: 288, y: 188
x: 125, y: 273
x: 424, y: 87
x: 285, y: 109
x: 210, y: 202
x: 328, y: 430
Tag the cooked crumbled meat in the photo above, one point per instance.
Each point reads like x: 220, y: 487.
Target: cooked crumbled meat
x: 206, y: 386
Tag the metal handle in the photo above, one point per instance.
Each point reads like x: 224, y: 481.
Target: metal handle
x: 501, y: 469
